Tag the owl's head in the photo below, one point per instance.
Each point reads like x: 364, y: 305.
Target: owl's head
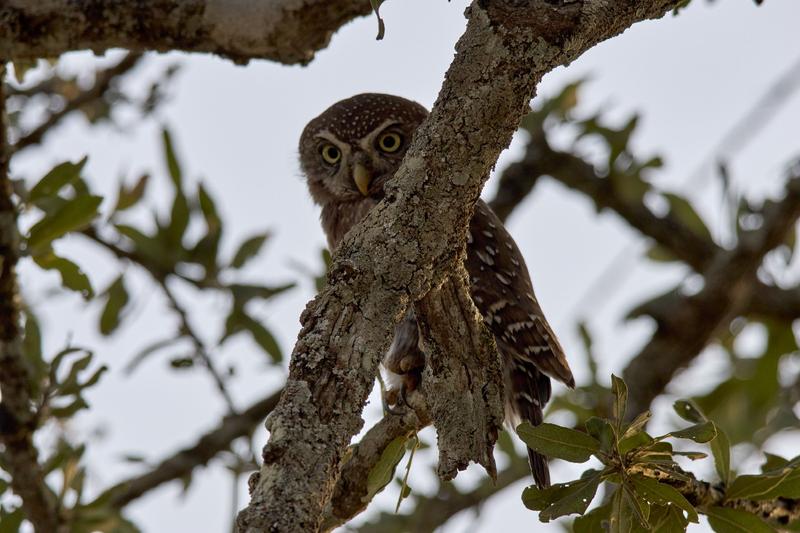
x: 349, y: 151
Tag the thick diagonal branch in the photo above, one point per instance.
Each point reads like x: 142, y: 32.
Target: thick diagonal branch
x: 286, y: 31
x: 17, y: 418
x: 404, y: 246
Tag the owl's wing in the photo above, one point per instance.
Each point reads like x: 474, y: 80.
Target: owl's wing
x: 502, y: 291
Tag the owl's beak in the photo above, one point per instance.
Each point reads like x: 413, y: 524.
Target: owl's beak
x: 362, y: 177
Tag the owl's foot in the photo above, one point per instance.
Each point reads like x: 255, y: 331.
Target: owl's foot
x: 396, y: 400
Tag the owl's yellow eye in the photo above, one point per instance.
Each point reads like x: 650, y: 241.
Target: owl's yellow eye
x: 330, y: 153
x: 390, y: 142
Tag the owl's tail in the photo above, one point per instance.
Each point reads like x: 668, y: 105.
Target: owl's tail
x: 529, y: 392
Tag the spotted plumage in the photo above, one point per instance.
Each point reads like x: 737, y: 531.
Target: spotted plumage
x: 347, y: 154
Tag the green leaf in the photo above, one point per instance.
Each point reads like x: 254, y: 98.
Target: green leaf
x: 249, y: 249
x: 788, y: 488
x: 72, y: 277
x: 638, y: 424
x: 721, y: 449
x: 575, y: 499
x: 381, y: 473
x: 145, y: 352
x: 129, y: 197
x: 725, y: 520
x: 682, y: 209
x: 703, y: 432
x: 59, y: 177
x: 601, y: 429
x: 753, y: 486
x: 263, y: 338
x: 243, y: 293
x: 11, y: 522
x: 662, y: 494
x: 376, y: 6
x: 72, y: 215
x: 689, y: 411
x: 667, y: 519
x: 594, y: 521
x: 634, y: 441
x: 620, y: 391
x: 117, y: 300
x: 238, y: 321
x: 660, y: 254
x: 171, y: 160
x: 623, y: 518
x: 69, y: 410
x: 560, y: 442
x: 179, y: 219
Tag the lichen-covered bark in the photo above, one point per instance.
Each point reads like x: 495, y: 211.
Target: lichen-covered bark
x: 463, y: 380
x: 405, y: 245
x: 286, y: 31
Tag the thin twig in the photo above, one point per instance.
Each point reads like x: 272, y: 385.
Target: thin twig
x: 104, y: 80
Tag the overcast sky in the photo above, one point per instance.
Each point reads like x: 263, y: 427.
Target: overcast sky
x: 691, y: 78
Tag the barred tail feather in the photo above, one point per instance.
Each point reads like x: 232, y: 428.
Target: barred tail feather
x: 529, y: 392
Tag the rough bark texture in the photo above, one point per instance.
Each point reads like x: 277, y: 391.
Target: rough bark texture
x: 463, y: 380
x: 286, y: 31
x: 402, y: 249
x: 351, y: 495
x: 17, y: 417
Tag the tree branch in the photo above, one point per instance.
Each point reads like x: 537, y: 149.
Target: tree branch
x: 104, y: 80
x: 286, y: 31
x: 462, y: 381
x: 687, y: 323
x: 17, y: 418
x: 406, y: 244
x: 518, y: 179
x: 680, y: 325
x: 186, y: 460
x: 778, y: 511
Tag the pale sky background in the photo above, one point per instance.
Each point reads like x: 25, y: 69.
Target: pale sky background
x: 691, y: 77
